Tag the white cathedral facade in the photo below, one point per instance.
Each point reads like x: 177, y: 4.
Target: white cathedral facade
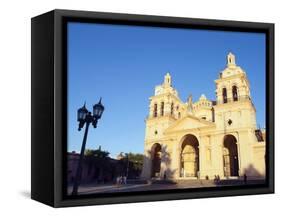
x: 198, y: 140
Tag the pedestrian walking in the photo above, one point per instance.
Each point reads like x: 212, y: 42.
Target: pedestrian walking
x: 125, y: 180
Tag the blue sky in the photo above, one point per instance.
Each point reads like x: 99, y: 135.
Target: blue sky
x: 122, y: 64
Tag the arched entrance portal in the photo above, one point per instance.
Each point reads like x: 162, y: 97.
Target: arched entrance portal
x: 156, y: 160
x: 230, y: 156
x: 189, y: 157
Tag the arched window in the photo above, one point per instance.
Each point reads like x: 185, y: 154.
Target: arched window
x: 162, y: 108
x: 172, y: 108
x: 155, y: 110
x: 224, y: 95
x: 234, y: 93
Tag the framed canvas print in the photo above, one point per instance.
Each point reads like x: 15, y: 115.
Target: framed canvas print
x: 133, y: 108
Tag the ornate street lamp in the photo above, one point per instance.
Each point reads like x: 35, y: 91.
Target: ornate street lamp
x: 84, y: 116
x: 97, y: 112
x: 81, y: 116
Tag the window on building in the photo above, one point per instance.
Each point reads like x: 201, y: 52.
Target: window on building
x: 234, y: 93
x: 155, y: 110
x: 172, y: 108
x: 224, y: 95
x: 179, y: 115
x: 229, y: 122
x: 162, y: 108
x: 204, y: 118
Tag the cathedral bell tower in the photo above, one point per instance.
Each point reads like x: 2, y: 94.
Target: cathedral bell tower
x: 232, y: 84
x: 164, y: 108
x: 233, y: 92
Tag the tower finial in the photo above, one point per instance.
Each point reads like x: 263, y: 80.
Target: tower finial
x: 231, y: 59
x: 167, y: 79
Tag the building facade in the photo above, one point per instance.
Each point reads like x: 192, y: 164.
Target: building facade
x: 99, y: 171
x: 198, y: 140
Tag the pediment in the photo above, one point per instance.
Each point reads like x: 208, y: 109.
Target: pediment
x: 188, y: 123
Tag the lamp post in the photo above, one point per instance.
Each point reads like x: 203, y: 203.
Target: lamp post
x: 85, y: 117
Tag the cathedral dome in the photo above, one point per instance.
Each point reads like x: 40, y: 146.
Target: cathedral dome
x: 202, y: 97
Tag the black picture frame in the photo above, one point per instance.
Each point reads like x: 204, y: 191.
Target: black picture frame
x: 49, y: 112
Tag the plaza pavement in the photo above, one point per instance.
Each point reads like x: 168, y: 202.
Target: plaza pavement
x: 181, y: 184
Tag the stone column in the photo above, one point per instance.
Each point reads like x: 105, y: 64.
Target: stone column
x: 163, y: 164
x: 175, y: 161
x: 201, y: 158
x: 217, y: 153
x: 244, y: 153
x: 229, y: 93
x: 205, y: 142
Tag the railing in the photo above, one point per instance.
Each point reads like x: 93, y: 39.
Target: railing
x: 223, y: 101
x: 228, y: 100
x: 165, y: 115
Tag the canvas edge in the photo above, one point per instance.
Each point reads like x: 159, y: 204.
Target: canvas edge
x: 59, y: 15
